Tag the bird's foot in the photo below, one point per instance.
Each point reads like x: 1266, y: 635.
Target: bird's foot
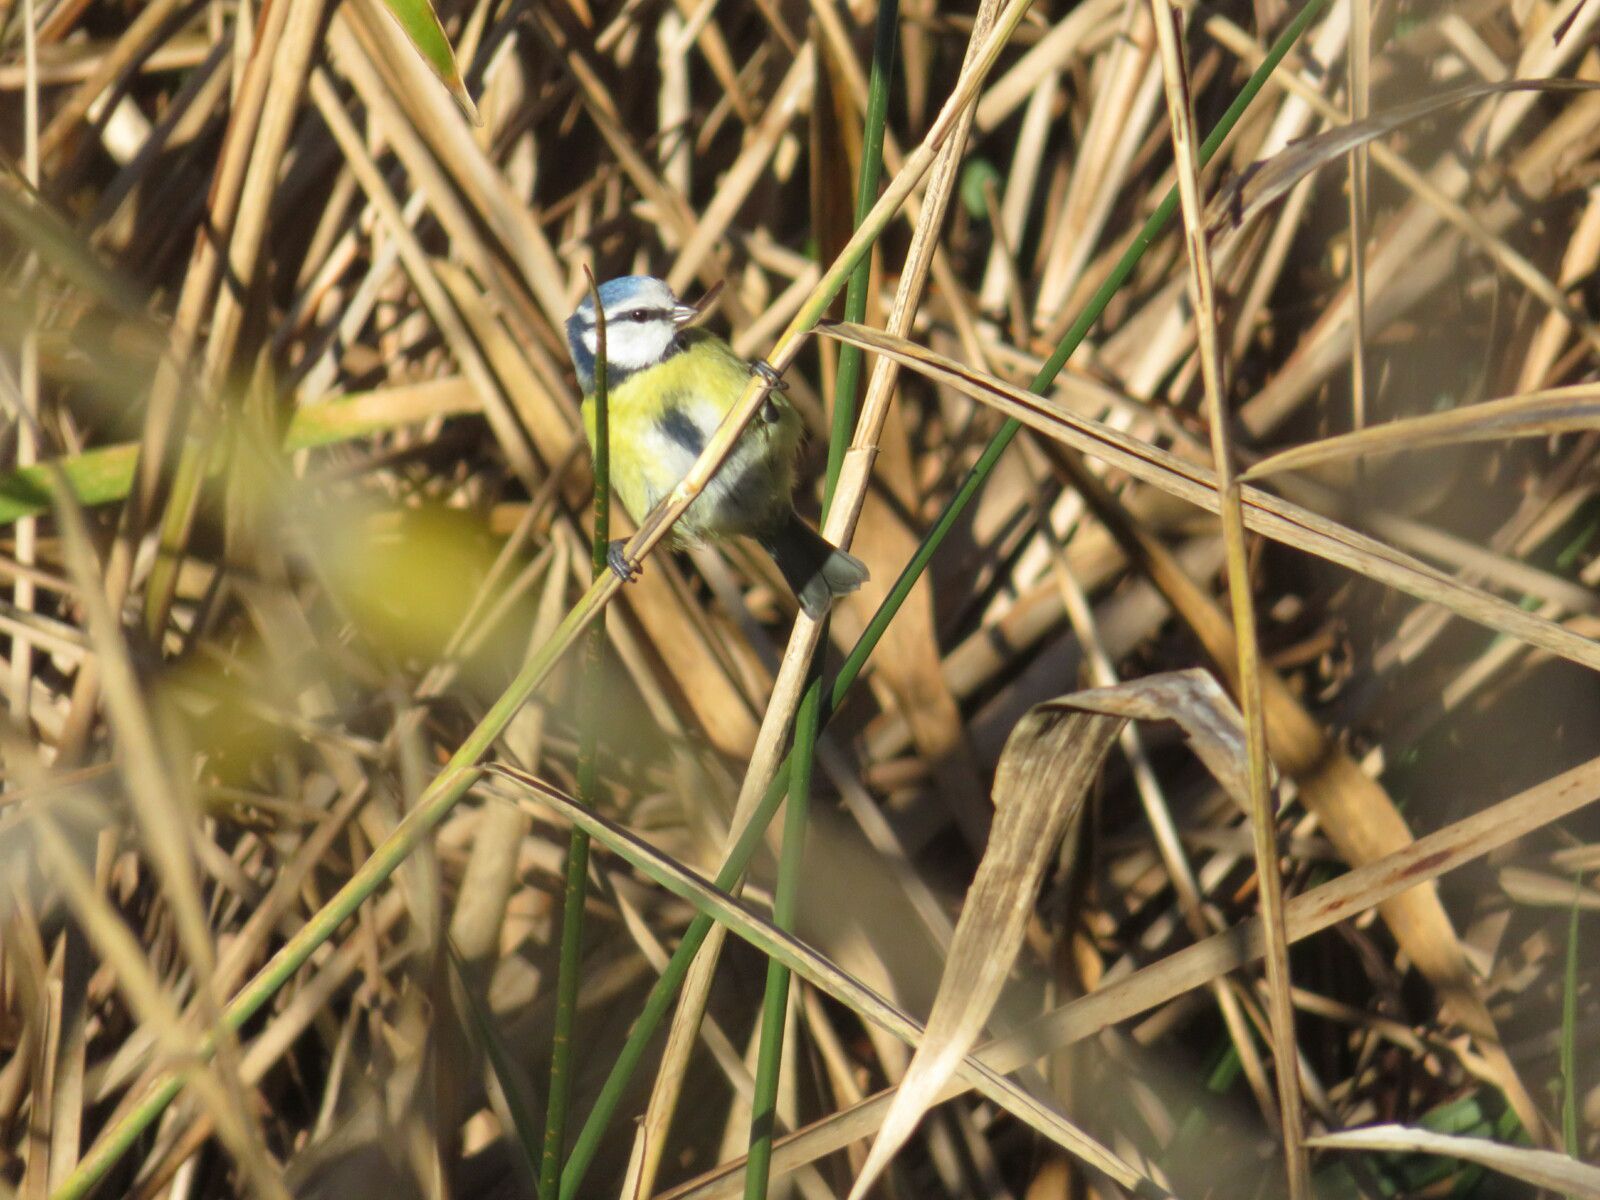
x: 769, y: 373
x: 625, y: 568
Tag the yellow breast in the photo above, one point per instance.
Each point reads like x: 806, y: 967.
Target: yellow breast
x: 662, y: 417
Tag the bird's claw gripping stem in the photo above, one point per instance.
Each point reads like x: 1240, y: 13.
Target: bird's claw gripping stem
x: 769, y: 373
x: 625, y: 568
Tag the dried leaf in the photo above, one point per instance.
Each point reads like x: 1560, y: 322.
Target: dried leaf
x: 1201, y: 707
x: 1048, y: 764
x: 1543, y: 1168
x: 1537, y: 414
x: 1269, y: 179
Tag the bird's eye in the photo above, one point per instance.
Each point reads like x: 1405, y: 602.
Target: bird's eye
x: 638, y: 314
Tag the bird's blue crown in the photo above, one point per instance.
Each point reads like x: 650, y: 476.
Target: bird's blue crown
x: 615, y: 295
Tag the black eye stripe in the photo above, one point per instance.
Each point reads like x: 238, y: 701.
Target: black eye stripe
x: 641, y: 315
x: 631, y: 315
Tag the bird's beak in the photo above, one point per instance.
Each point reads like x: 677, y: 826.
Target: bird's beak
x: 685, y: 315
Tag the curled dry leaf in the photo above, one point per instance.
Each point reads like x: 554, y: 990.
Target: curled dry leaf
x: 1047, y: 767
x: 1201, y: 707
x: 1249, y: 194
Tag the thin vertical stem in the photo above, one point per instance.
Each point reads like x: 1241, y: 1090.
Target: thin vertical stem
x: 1263, y: 814
x: 1569, y: 1022
x: 22, y: 593
x: 775, y: 1002
x: 569, y: 970
x: 847, y: 377
x: 1359, y: 79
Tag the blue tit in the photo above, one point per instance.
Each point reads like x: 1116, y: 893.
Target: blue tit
x: 668, y: 386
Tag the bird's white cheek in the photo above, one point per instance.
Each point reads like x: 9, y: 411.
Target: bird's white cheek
x: 631, y: 347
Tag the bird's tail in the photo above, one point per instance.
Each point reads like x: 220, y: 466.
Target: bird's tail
x: 814, y: 568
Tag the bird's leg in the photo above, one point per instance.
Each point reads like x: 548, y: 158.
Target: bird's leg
x: 625, y: 568
x: 769, y: 373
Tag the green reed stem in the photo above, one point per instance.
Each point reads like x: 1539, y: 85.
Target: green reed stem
x: 775, y: 1001
x: 847, y: 383
x: 569, y: 969
x: 666, y: 987
x: 847, y: 378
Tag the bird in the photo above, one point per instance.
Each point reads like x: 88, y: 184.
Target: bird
x: 668, y: 386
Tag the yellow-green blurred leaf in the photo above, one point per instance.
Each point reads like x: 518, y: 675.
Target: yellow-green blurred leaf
x: 97, y: 477
x: 406, y: 577
x: 421, y: 26
x: 104, y: 474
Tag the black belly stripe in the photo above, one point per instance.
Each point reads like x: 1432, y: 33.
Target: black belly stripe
x: 679, y: 428
x: 749, y: 499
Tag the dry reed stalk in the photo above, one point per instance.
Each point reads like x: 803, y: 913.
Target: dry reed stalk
x: 1247, y: 675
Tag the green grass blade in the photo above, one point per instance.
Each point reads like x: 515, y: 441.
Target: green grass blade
x: 570, y: 966
x: 105, y: 474
x: 775, y: 1001
x: 525, y: 1131
x: 420, y: 23
x: 97, y: 476
x: 847, y: 379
